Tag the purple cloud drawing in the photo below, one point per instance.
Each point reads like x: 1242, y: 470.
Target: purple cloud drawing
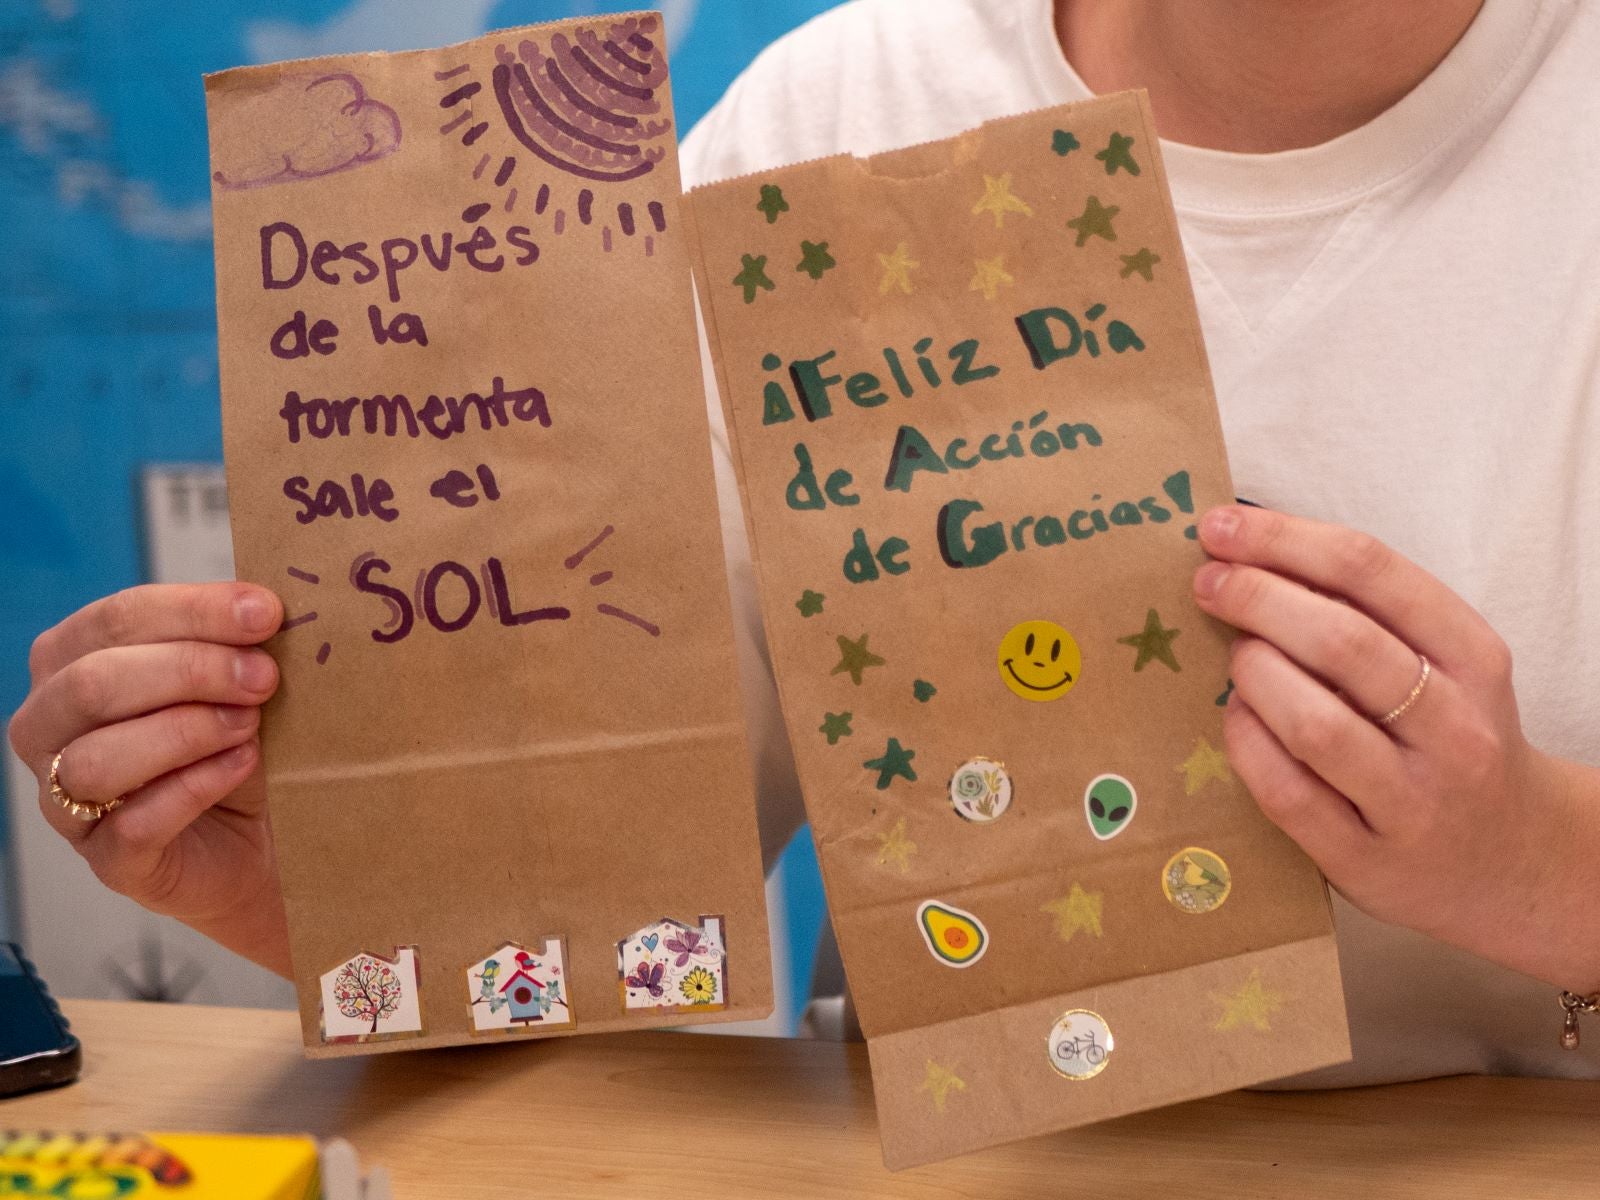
x: 304, y: 127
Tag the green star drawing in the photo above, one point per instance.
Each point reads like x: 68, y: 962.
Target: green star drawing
x: 1095, y: 222
x: 854, y: 657
x: 772, y: 202
x: 810, y: 603
x: 895, y: 760
x: 923, y: 690
x: 814, y: 259
x: 753, y: 275
x: 1116, y: 154
x: 1153, y: 642
x: 1142, y: 263
x: 835, y: 726
x: 1063, y: 143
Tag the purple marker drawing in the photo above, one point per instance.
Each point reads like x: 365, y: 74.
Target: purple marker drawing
x: 303, y: 576
x: 489, y: 591
x: 441, y: 76
x: 482, y: 163
x: 507, y: 165
x: 465, y: 92
x: 304, y: 126
x: 621, y: 614
x: 456, y: 122
x: 322, y: 654
x: 583, y: 103
x: 303, y: 619
x: 597, y: 580
x: 574, y: 559
x: 511, y: 199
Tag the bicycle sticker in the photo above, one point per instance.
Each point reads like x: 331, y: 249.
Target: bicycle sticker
x: 1196, y: 880
x: 1080, y: 1044
x: 980, y: 790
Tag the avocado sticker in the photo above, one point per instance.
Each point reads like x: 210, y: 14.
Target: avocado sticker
x: 954, y: 936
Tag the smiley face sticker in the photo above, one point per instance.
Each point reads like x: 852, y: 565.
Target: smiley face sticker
x: 1039, y: 661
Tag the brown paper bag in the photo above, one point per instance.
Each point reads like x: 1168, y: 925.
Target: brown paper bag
x: 466, y: 442
x: 975, y: 426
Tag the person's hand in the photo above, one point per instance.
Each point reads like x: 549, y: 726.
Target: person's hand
x: 153, y: 695
x: 1445, y: 819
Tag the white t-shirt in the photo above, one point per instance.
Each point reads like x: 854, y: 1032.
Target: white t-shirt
x: 1404, y: 325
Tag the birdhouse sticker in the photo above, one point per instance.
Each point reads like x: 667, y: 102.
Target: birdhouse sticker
x: 369, y: 997
x: 673, y: 967
x: 518, y: 990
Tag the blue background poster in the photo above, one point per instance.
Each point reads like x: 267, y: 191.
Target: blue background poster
x: 107, y: 322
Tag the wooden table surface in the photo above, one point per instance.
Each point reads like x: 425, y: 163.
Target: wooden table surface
x: 672, y: 1116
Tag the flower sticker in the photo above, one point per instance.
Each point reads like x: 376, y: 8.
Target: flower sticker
x: 980, y: 790
x: 699, y: 986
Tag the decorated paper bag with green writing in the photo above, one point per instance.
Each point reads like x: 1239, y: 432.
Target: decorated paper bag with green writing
x: 466, y: 443
x: 975, y: 427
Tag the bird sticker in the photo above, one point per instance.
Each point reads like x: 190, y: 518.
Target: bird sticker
x: 1196, y: 880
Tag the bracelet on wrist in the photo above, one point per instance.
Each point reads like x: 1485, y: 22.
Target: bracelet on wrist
x: 1573, y: 1004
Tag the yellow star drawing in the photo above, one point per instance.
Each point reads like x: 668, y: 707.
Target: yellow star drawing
x: 941, y: 1081
x: 1253, y: 1005
x: 895, y: 847
x: 897, y: 268
x: 990, y: 274
x: 997, y: 200
x: 1202, y: 766
x: 1076, y: 910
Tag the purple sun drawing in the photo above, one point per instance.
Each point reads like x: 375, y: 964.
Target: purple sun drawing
x: 583, y: 104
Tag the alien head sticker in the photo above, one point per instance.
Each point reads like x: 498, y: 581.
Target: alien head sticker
x: 1039, y: 661
x: 1108, y: 803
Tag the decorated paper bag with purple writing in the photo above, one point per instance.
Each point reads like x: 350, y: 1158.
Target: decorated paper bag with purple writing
x: 975, y: 428
x: 466, y: 443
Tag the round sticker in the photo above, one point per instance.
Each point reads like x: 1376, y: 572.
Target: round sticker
x: 980, y: 790
x: 1109, y: 802
x: 1039, y: 660
x: 1196, y: 880
x: 1080, y: 1044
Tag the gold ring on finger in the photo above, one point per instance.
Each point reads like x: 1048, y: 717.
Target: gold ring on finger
x: 84, y: 812
x: 1400, y: 710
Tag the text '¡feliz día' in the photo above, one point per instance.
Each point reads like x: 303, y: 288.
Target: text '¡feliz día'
x: 1049, y: 334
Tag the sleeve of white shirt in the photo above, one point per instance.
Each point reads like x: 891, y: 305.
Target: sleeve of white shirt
x: 779, y: 806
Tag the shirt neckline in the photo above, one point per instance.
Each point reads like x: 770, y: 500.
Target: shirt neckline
x: 1450, y: 100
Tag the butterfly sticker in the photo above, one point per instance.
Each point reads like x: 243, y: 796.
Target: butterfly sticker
x: 647, y: 977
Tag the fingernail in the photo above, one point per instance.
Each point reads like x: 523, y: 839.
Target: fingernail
x: 1220, y: 524
x: 235, y: 716
x: 254, y: 612
x: 254, y: 671
x: 240, y: 756
x: 1209, y: 578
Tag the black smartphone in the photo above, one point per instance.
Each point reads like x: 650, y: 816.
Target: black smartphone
x: 36, y: 1048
